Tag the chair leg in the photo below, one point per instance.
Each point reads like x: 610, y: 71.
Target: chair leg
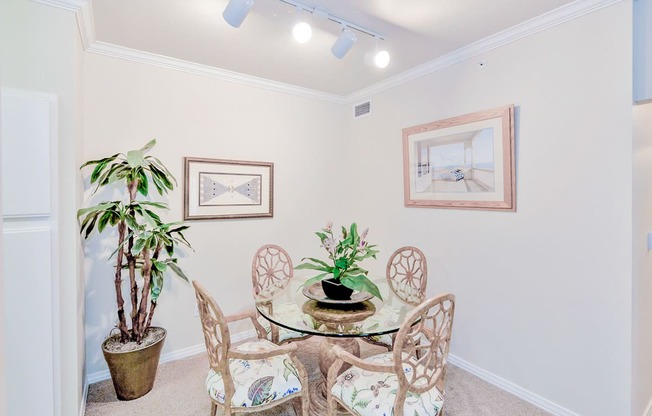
x: 301, y: 405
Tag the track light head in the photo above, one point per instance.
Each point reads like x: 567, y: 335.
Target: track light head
x: 236, y: 11
x: 343, y: 43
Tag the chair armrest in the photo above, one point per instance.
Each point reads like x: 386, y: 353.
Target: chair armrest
x: 259, y: 355
x: 347, y: 357
x: 251, y: 314
x: 241, y: 316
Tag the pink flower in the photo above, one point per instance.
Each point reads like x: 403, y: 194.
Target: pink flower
x: 348, y: 379
x: 329, y: 227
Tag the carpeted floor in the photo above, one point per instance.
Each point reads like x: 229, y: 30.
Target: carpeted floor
x: 179, y: 391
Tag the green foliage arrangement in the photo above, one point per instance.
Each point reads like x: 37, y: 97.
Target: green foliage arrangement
x: 344, y: 252
x: 145, y: 243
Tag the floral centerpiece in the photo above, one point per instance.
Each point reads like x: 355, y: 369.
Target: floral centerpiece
x: 344, y: 252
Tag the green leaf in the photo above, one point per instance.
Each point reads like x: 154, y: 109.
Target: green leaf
x: 342, y: 263
x: 98, y: 169
x: 166, y: 173
x: 158, y: 184
x: 143, y: 183
x: 178, y: 271
x: 148, y: 146
x: 139, y: 244
x: 135, y: 158
x: 361, y: 283
x: 90, y: 226
x: 159, y: 265
x: 155, y: 285
x: 93, y: 162
x: 314, y: 260
x: 104, y: 220
x: 315, y: 279
x: 308, y: 266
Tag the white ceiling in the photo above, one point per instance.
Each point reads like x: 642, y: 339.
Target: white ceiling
x: 416, y: 32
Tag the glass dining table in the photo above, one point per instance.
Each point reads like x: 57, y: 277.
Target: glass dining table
x: 306, y: 310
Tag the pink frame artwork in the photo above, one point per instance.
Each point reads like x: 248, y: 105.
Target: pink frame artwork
x: 464, y: 162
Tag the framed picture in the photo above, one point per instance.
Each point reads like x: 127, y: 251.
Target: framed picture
x: 224, y: 189
x: 464, y: 162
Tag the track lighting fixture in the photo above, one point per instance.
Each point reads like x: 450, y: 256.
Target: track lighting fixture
x: 236, y: 11
x: 343, y: 43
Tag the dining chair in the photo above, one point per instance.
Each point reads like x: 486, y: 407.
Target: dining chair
x: 407, y: 381
x: 407, y: 274
x: 271, y: 272
x: 252, y: 376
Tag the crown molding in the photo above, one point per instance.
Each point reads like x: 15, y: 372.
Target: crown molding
x: 545, y: 21
x: 148, y: 58
x: 84, y: 14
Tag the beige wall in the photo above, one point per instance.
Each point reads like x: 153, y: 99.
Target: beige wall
x: 642, y: 282
x: 544, y: 294
x: 126, y: 104
x: 40, y: 52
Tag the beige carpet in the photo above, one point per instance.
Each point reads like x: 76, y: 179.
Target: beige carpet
x: 179, y: 391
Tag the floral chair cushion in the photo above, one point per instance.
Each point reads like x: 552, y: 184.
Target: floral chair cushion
x: 289, y: 312
x: 257, y: 382
x: 372, y: 394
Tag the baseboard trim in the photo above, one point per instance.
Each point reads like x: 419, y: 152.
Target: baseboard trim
x: 170, y: 356
x: 511, y: 388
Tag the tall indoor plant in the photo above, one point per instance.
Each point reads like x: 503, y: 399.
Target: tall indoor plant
x: 145, y: 248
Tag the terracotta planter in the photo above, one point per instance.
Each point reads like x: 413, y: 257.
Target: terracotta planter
x: 335, y: 290
x: 133, y: 372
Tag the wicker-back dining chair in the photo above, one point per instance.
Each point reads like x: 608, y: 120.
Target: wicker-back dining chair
x: 407, y: 381
x: 252, y: 376
x: 407, y: 275
x: 271, y: 272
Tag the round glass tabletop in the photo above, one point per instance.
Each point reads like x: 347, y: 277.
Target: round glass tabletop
x: 308, y: 311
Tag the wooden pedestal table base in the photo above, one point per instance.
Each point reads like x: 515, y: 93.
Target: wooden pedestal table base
x: 336, y: 320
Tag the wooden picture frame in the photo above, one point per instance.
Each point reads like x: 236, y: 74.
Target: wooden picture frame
x: 464, y: 162
x: 227, y: 189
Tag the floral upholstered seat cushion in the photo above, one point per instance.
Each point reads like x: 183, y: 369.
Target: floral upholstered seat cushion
x: 289, y: 312
x: 257, y: 382
x: 372, y: 394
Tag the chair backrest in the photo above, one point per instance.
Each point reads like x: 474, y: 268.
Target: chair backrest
x: 421, y: 346
x: 271, y: 271
x: 215, y: 328
x: 407, y: 274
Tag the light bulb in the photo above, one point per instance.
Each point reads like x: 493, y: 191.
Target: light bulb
x: 302, y: 32
x: 381, y: 59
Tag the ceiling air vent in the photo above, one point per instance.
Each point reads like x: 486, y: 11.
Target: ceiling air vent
x: 363, y: 109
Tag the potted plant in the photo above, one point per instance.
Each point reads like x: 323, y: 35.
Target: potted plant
x: 145, y: 249
x: 340, y: 278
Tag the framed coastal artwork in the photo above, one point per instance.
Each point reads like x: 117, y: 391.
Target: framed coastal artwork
x: 225, y: 189
x: 464, y: 162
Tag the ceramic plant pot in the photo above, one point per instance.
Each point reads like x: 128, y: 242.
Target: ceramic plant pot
x: 335, y: 290
x: 133, y: 372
